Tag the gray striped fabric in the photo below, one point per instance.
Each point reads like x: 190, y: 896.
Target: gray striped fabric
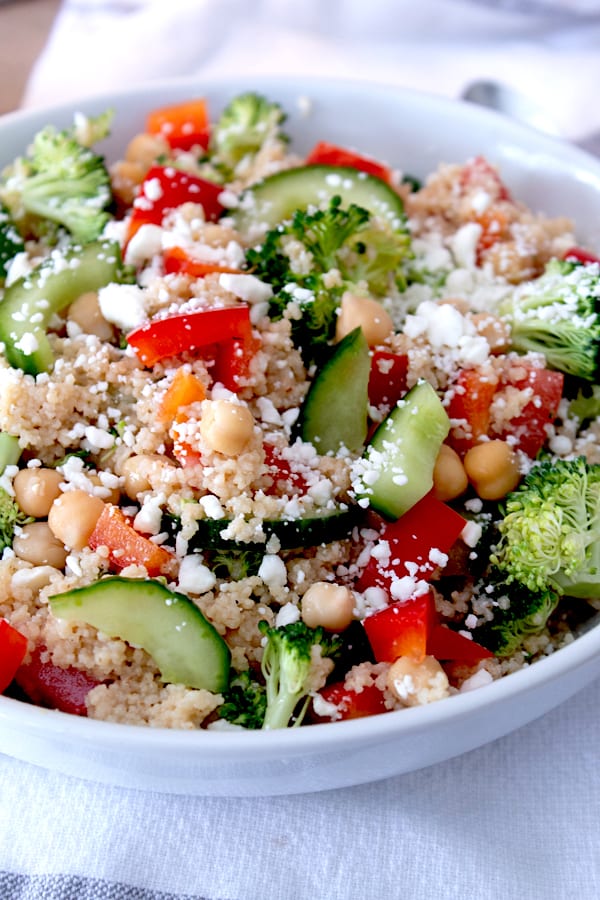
x: 14, y: 886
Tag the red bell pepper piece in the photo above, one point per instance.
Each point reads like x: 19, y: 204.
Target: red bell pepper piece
x: 178, y: 261
x: 183, y: 125
x: 479, y: 173
x: 450, y: 646
x: 529, y: 429
x: 401, y: 629
x: 54, y: 687
x: 284, y: 480
x: 387, y: 380
x: 13, y: 647
x: 187, y: 332
x: 429, y: 525
x: 165, y: 188
x: 232, y: 363
x: 578, y: 254
x: 324, y: 153
x: 126, y: 546
x: 470, y: 400
x: 351, y: 704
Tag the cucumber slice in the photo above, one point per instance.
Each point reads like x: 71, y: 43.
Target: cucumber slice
x: 184, y: 645
x: 396, y: 469
x: 29, y: 303
x: 334, y: 412
x: 331, y: 525
x: 277, y: 197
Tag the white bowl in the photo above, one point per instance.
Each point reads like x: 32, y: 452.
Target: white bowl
x: 414, y: 132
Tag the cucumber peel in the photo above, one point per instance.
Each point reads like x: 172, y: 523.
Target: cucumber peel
x: 278, y: 196
x: 396, y: 469
x: 167, y: 625
x: 334, y: 412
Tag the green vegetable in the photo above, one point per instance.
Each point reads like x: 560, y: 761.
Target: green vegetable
x: 334, y: 412
x: 10, y: 451
x: 396, y: 468
x: 243, y: 127
x: 29, y: 303
x: 322, y: 528
x: 61, y: 182
x: 518, y: 613
x: 343, y: 247
x: 10, y: 517
x: 550, y: 533
x: 11, y: 242
x: 277, y: 197
x: 245, y: 702
x: 184, y: 645
x: 558, y: 315
x: 586, y: 405
x: 287, y: 666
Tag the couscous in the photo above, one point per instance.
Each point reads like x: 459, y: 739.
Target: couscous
x: 270, y: 424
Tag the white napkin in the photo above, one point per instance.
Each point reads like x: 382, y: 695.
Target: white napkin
x: 545, y: 48
x: 516, y: 819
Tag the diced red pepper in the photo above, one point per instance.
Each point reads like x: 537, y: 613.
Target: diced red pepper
x: 470, y: 400
x: 479, y: 173
x: 165, y: 188
x: 126, y: 546
x: 284, y: 480
x: 187, y: 332
x: 387, y: 380
x: 179, y: 261
x: 232, y: 363
x: 450, y: 646
x: 351, y: 704
x: 529, y: 429
x: 183, y: 125
x: 13, y: 647
x: 54, y: 687
x: 401, y: 629
x: 416, y: 539
x: 578, y: 254
x: 324, y: 153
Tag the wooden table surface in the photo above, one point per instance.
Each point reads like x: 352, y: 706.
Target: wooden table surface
x: 24, y: 27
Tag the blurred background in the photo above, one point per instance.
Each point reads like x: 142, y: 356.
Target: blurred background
x: 24, y: 28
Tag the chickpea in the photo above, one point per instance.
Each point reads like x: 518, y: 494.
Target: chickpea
x: 328, y: 605
x: 109, y: 494
x: 226, y: 427
x: 125, y: 178
x: 367, y: 313
x: 417, y: 683
x: 85, y: 312
x: 494, y: 330
x: 492, y: 468
x: 145, y: 149
x: 449, y: 476
x: 73, y: 516
x: 36, y: 490
x: 38, y: 545
x: 137, y: 472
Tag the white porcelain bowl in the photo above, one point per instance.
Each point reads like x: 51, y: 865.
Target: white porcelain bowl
x: 414, y: 132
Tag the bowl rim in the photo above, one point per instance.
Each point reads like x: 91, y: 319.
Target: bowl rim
x: 372, y: 729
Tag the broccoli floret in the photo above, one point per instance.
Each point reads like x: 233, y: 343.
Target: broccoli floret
x: 288, y: 664
x: 245, y: 702
x: 342, y: 243
x: 11, y: 242
x: 558, y: 315
x: 60, y: 183
x: 585, y: 407
x: 243, y: 127
x: 10, y: 517
x: 236, y: 564
x: 518, y: 613
x: 550, y: 532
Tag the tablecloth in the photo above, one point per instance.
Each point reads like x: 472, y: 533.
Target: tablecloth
x: 517, y: 819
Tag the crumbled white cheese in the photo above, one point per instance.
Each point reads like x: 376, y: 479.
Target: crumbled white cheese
x: 273, y: 572
x: 123, y: 305
x: 145, y: 243
x: 287, y: 614
x: 247, y: 287
x: 194, y: 576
